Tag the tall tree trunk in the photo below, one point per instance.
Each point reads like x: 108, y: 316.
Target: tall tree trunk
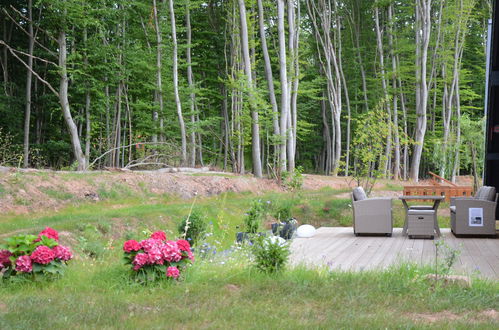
x: 190, y: 81
x: 63, y: 100
x: 356, y: 21
x: 291, y: 86
x: 384, y: 84
x: 283, y: 72
x: 158, y: 93
x: 321, y: 16
x: 29, y: 74
x: 396, y: 167
x: 88, y: 125
x: 255, y: 128
x: 345, y: 90
x: 175, y: 85
x: 423, y: 30
x: 268, y: 69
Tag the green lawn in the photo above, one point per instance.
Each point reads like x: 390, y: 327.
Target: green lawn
x: 223, y: 290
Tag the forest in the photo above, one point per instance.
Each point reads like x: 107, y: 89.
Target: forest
x: 385, y: 88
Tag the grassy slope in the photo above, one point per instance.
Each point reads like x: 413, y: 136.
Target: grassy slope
x: 97, y: 292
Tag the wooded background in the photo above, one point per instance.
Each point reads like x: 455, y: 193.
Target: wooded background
x: 384, y: 88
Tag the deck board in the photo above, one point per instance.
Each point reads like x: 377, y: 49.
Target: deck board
x: 338, y: 248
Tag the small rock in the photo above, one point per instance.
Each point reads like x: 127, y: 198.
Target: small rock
x: 460, y: 280
x: 92, y: 196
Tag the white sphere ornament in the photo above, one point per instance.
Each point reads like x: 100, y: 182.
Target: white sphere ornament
x: 305, y: 231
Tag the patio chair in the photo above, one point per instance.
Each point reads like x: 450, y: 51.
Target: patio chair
x: 371, y: 215
x: 474, y: 215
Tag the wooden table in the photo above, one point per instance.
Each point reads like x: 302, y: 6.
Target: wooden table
x: 436, y: 202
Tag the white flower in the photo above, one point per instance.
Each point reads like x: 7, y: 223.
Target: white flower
x: 275, y: 240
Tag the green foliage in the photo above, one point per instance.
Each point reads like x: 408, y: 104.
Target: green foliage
x: 283, y: 210
x: 193, y: 227
x: 445, y: 257
x: 271, y: 254
x: 372, y: 130
x: 91, y: 242
x: 292, y: 180
x: 254, y: 216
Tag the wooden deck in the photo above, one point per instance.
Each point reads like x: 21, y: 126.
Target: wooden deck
x: 338, y: 248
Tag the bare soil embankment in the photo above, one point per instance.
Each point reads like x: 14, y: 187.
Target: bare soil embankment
x: 27, y: 191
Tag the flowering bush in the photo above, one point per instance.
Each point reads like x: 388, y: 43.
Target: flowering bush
x: 156, y: 257
x: 34, y: 254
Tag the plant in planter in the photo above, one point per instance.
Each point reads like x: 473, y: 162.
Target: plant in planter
x: 157, y: 258
x: 286, y: 224
x: 285, y: 228
x: 32, y: 255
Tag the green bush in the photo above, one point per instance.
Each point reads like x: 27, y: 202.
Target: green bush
x: 271, y: 254
x: 292, y: 180
x: 254, y: 216
x: 192, y: 227
x: 282, y: 211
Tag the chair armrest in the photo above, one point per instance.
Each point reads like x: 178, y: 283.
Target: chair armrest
x: 380, y: 198
x: 465, y: 203
x: 374, y: 203
x: 454, y: 199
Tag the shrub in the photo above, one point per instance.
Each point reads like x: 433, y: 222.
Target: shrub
x: 192, y: 227
x: 271, y: 254
x: 282, y: 211
x: 157, y: 258
x: 254, y: 216
x: 34, y: 255
x: 292, y: 180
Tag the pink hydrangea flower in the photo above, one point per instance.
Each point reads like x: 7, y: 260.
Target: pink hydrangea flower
x: 149, y: 243
x: 172, y: 272
x: 190, y: 256
x: 5, y: 258
x: 131, y: 245
x: 23, y: 264
x: 171, y: 252
x: 159, y: 235
x: 62, y: 253
x: 42, y: 255
x: 155, y: 256
x: 140, y: 260
x: 183, y: 245
x: 49, y: 233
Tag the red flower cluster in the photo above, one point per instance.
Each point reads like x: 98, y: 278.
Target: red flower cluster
x: 156, y: 250
x: 62, y: 253
x: 49, y: 233
x: 5, y: 258
x: 23, y: 264
x: 131, y: 245
x: 159, y: 235
x: 44, y: 254
x: 172, y: 272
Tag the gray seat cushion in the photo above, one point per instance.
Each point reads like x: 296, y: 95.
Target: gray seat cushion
x: 486, y: 193
x: 420, y: 212
x: 359, y: 194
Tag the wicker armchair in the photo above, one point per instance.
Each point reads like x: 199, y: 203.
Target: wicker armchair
x: 371, y: 215
x: 474, y: 215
